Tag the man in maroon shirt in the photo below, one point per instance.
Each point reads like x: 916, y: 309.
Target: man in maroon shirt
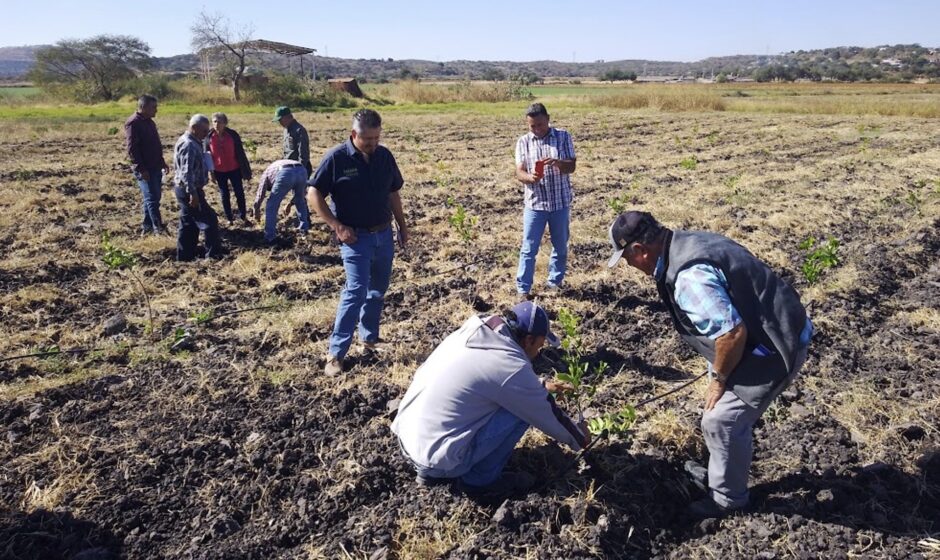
x: 146, y: 156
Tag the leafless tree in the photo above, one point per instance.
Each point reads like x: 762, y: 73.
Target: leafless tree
x: 215, y: 37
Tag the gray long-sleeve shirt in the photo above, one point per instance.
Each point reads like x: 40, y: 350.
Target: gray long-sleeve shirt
x: 189, y: 162
x: 471, y: 375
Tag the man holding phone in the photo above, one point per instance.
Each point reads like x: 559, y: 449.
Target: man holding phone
x: 545, y: 159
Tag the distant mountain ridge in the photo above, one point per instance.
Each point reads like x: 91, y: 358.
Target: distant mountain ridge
x: 841, y: 63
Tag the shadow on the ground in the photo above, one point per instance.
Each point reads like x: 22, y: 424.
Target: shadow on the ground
x: 47, y: 535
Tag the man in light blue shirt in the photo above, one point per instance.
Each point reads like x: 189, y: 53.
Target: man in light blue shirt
x: 737, y: 313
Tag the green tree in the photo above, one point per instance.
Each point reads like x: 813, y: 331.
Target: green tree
x: 526, y: 78
x: 100, y: 66
x: 493, y: 75
x: 617, y: 75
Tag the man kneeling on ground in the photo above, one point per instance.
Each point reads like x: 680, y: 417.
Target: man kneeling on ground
x: 474, y: 398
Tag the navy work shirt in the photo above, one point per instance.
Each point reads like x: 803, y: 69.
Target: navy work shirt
x: 360, y: 190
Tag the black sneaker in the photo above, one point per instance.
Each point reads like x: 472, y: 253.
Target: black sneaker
x: 507, y: 483
x: 428, y: 481
x: 697, y: 474
x: 278, y: 243
x: 707, y: 508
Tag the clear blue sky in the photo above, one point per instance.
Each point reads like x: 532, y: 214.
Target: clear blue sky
x: 684, y: 30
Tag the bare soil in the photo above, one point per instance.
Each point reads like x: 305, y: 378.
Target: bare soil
x: 240, y: 448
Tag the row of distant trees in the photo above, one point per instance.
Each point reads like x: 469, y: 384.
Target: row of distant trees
x: 107, y: 67
x: 844, y: 72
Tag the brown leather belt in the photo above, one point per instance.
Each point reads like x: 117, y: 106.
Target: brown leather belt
x: 376, y: 229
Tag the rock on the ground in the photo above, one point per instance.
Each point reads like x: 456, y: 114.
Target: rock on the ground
x: 114, y: 324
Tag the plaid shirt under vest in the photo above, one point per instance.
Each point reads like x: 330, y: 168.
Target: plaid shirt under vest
x: 553, y: 192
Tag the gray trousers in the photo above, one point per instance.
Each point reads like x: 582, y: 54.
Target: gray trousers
x: 728, y: 430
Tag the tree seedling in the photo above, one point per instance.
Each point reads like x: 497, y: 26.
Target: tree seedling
x: 914, y: 201
x: 203, y: 316
x: 584, y: 379
x: 250, y: 146
x: 579, y: 374
x: 462, y: 222
x: 614, y: 423
x: 121, y: 260
x: 818, y: 259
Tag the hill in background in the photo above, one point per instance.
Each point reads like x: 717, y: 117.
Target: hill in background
x: 890, y: 63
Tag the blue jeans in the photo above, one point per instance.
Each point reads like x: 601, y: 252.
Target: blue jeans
x: 489, y: 451
x: 223, y: 178
x: 533, y: 226
x: 191, y: 221
x: 291, y: 180
x: 151, y: 191
x: 368, y: 265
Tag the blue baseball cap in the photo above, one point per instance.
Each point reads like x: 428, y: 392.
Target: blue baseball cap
x: 533, y: 320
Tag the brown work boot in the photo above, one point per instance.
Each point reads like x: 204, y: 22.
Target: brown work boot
x: 334, y: 366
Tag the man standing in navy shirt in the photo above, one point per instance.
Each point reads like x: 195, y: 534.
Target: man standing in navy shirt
x: 364, y: 182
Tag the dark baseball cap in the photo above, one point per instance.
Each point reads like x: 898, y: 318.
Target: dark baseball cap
x: 626, y: 229
x: 281, y: 111
x: 533, y: 320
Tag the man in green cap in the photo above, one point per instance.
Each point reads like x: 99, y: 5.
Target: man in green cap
x: 296, y: 141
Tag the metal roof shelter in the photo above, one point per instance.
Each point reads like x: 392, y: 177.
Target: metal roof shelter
x: 262, y: 45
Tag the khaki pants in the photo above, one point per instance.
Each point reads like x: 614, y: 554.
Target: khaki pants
x: 728, y: 430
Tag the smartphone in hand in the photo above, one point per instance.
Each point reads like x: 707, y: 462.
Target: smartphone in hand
x: 540, y: 168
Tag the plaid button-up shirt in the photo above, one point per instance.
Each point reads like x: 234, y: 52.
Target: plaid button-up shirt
x: 701, y: 291
x: 266, y: 183
x: 553, y: 192
x: 189, y: 161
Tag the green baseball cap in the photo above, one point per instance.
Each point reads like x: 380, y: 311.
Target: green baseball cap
x: 281, y: 111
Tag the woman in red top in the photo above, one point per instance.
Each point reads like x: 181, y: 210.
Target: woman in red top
x: 230, y: 163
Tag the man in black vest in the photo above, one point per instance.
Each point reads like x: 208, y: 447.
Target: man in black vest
x: 737, y: 313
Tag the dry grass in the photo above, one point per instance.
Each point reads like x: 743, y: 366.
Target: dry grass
x: 426, y: 538
x: 32, y: 385
x: 664, y: 98
x: 798, y: 175
x: 30, y: 297
x: 50, y: 496
x: 924, y: 105
x: 461, y: 92
x: 666, y: 430
x: 876, y: 418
